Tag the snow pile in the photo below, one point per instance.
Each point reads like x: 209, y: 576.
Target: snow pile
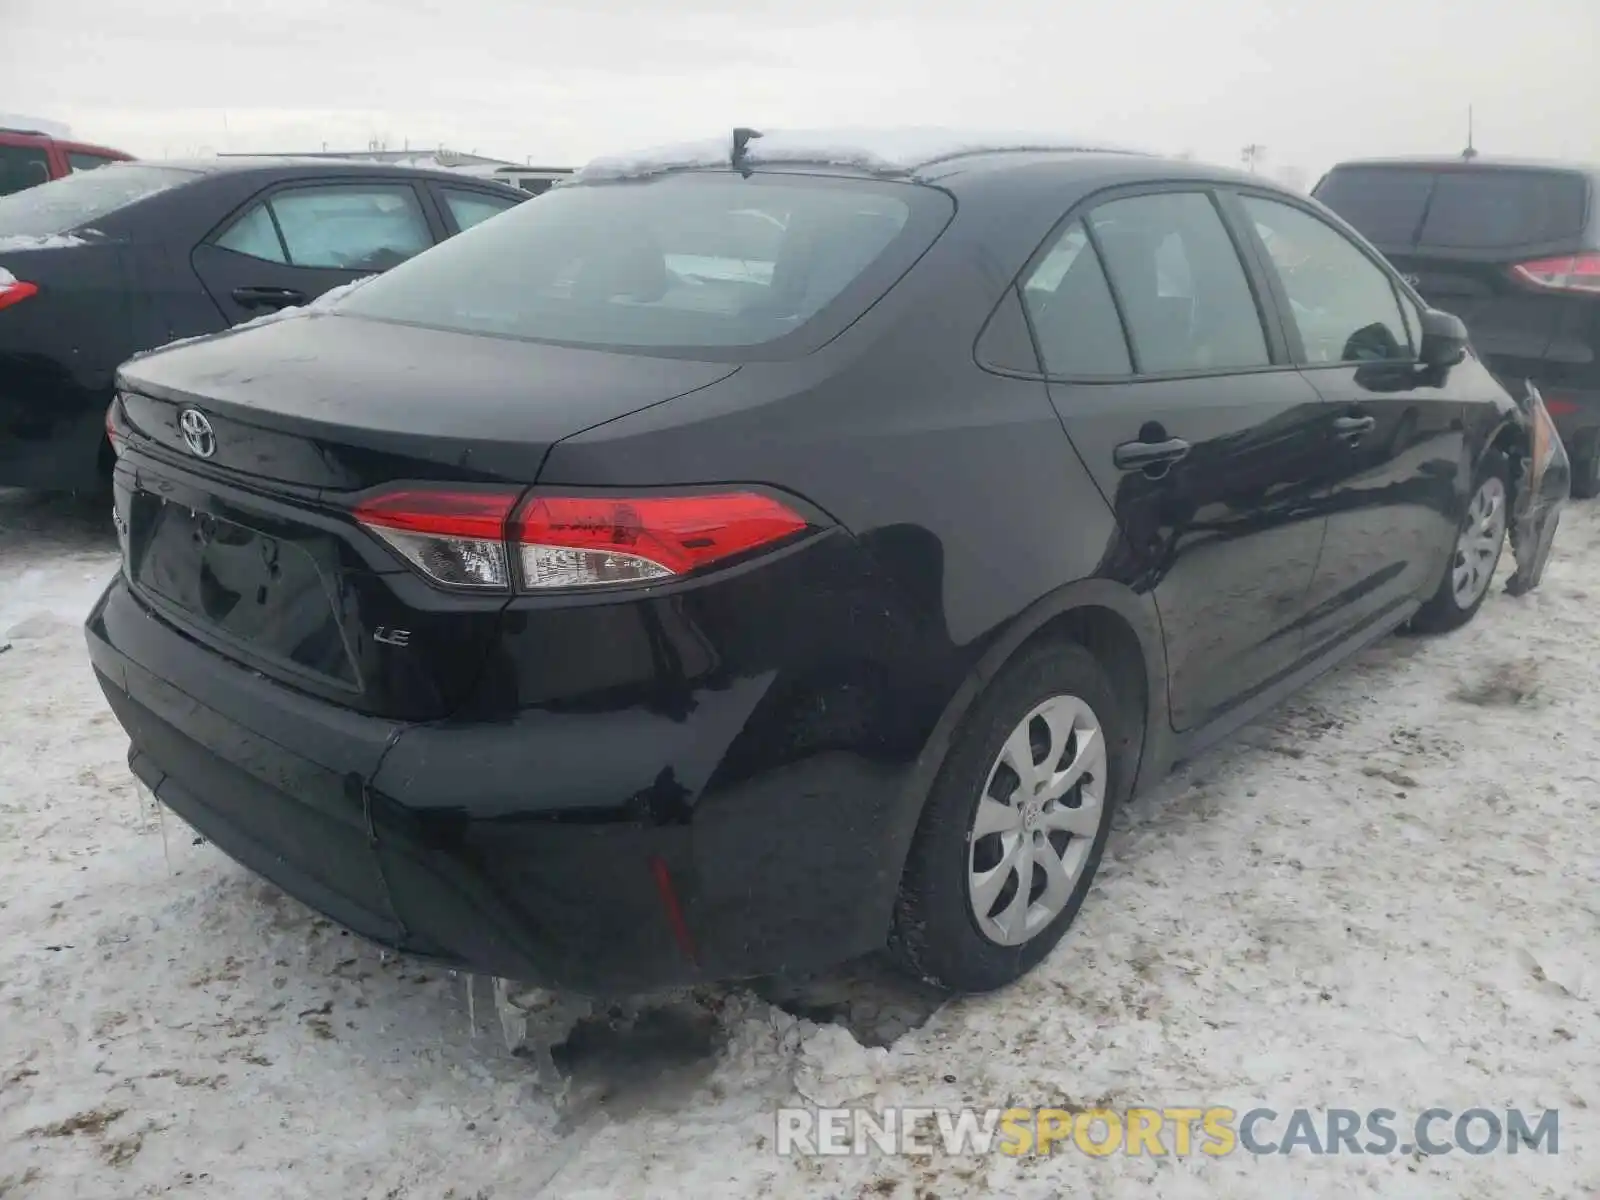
x: 835, y: 1069
x: 1380, y: 895
x: 51, y: 241
x: 890, y: 151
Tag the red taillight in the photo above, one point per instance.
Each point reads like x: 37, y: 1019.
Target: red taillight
x: 571, y: 541
x: 455, y: 538
x: 15, y: 291
x: 470, y: 539
x: 1567, y: 273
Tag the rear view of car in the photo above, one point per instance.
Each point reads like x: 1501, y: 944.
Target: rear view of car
x: 332, y: 546
x: 1514, y: 250
x: 67, y: 317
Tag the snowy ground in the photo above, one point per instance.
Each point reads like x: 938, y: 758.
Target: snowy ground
x: 1382, y: 896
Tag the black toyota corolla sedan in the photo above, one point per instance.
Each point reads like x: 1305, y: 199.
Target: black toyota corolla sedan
x: 738, y: 562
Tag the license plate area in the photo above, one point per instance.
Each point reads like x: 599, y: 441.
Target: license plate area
x: 251, y: 588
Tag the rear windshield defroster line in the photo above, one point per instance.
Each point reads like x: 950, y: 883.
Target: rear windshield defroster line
x: 711, y: 265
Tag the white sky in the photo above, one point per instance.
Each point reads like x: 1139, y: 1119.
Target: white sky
x: 559, y: 82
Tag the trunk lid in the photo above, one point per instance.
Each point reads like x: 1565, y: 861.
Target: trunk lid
x: 319, y: 400
x: 253, y: 549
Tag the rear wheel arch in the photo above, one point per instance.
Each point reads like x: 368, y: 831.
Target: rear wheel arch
x: 1116, y: 625
x: 1508, y: 441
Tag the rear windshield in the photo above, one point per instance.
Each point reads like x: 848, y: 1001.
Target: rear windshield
x: 76, y: 200
x: 1385, y: 204
x: 700, y: 261
x: 1484, y: 209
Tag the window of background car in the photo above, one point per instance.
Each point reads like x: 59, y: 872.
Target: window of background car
x: 1345, y: 307
x: 1384, y: 204
x: 76, y: 200
x: 254, y: 234
x: 470, y: 208
x: 1184, y: 293
x: 690, y: 261
x: 1073, y: 315
x: 1496, y: 209
x: 366, y: 227
x: 22, y: 167
x: 77, y: 160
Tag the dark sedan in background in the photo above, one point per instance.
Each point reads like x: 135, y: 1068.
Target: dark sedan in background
x: 100, y: 265
x: 719, y: 568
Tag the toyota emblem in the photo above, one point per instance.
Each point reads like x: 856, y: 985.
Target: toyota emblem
x: 197, y: 432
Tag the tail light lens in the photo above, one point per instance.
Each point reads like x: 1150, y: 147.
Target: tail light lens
x: 111, y: 426
x: 1567, y: 273
x: 565, y: 541
x: 14, y: 290
x: 454, y: 538
x: 472, y: 539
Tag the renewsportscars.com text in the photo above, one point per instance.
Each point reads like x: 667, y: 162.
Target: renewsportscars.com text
x: 1214, y: 1131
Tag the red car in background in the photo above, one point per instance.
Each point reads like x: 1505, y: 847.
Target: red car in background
x: 30, y: 156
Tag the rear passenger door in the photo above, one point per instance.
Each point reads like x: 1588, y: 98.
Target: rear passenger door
x: 1398, y: 442
x: 1170, y: 375
x: 299, y: 240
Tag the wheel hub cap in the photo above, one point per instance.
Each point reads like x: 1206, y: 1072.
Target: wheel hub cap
x: 1037, y: 818
x: 1478, y: 545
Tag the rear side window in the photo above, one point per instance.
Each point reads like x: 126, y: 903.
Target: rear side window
x: 1383, y: 204
x: 1184, y: 293
x: 707, y: 260
x: 367, y: 227
x: 470, y: 208
x: 66, y: 204
x: 79, y: 160
x: 1073, y: 316
x: 256, y: 235
x: 1345, y: 308
x: 22, y: 167
x: 1491, y: 210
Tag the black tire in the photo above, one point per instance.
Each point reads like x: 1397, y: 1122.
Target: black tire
x: 1586, y: 465
x: 1442, y: 613
x: 935, y: 934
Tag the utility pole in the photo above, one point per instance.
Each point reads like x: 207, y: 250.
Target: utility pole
x: 1251, y: 155
x: 1471, y: 152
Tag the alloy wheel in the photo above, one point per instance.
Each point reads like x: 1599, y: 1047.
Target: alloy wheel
x: 1478, y: 545
x: 1037, y: 818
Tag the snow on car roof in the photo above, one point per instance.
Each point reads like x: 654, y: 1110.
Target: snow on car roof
x: 888, y: 151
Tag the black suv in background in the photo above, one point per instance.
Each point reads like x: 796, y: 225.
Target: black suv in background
x: 1512, y: 248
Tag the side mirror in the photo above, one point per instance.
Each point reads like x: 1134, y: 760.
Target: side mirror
x: 1444, y: 339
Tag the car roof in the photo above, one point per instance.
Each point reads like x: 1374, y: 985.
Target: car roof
x: 275, y: 165
x: 894, y: 152
x: 1480, y: 162
x: 950, y: 158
